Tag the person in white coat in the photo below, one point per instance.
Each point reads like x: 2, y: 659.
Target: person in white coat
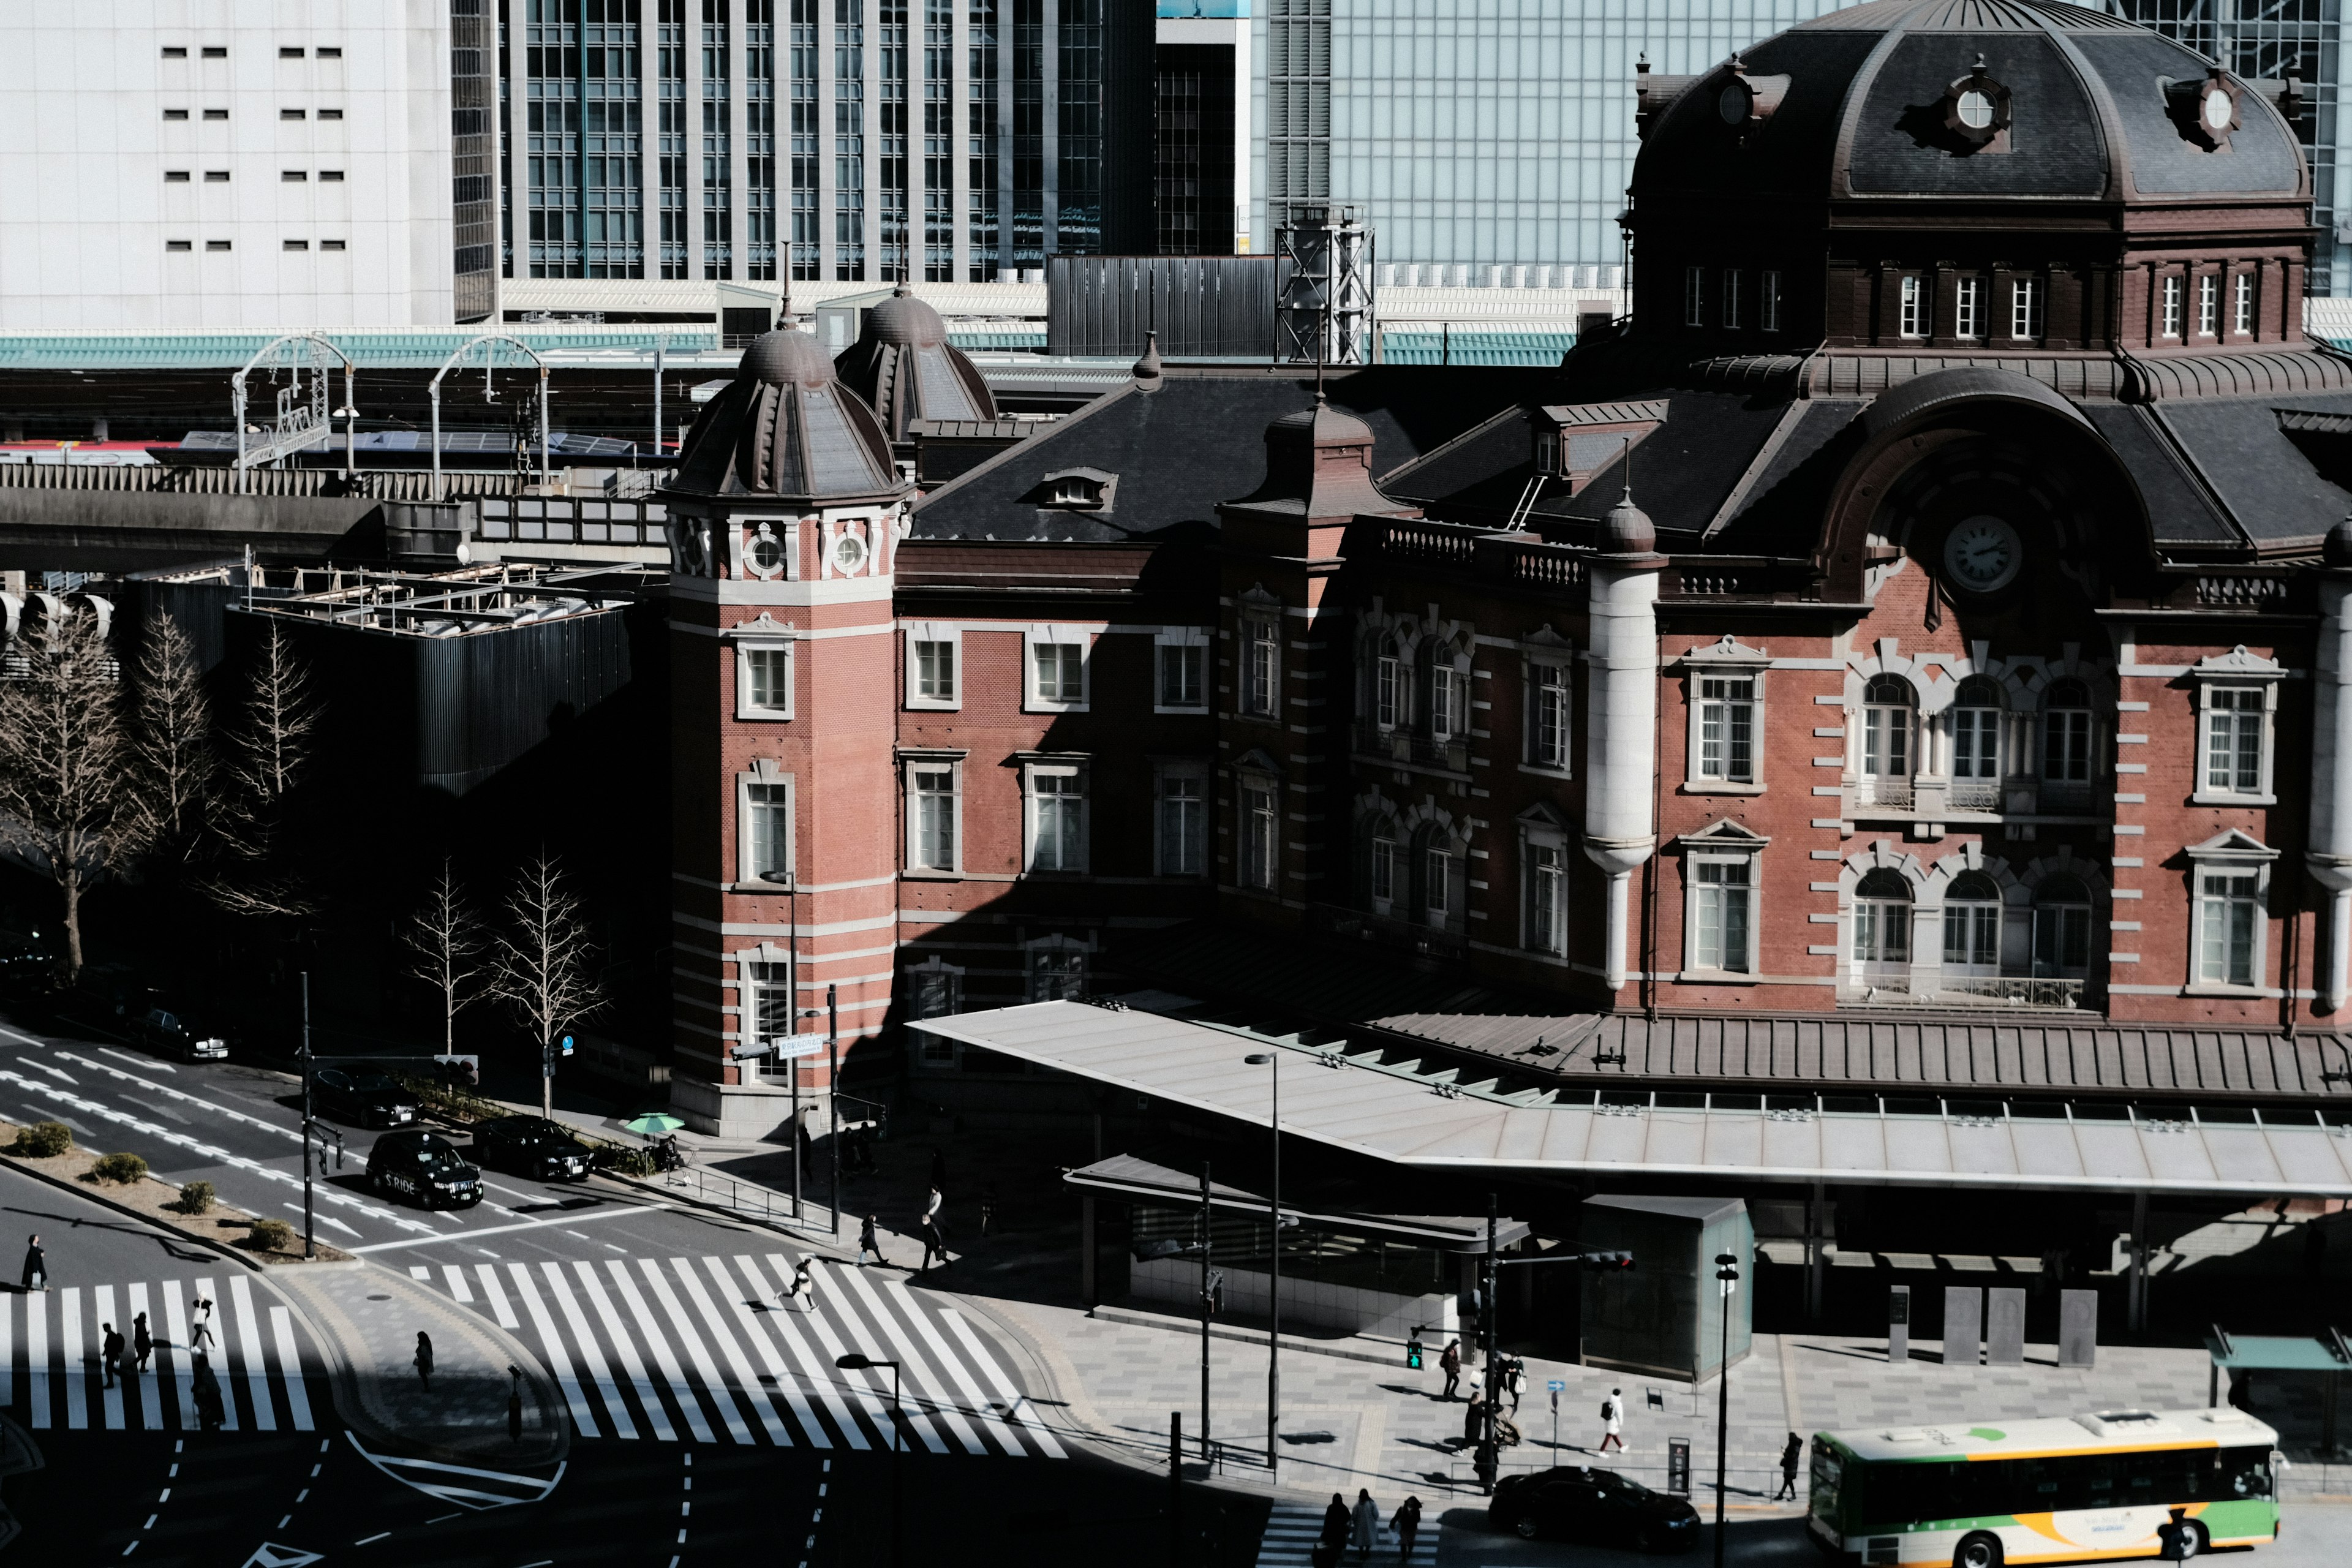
x: 1612, y: 1421
x: 1364, y: 1535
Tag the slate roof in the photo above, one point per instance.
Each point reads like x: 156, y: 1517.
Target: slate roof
x: 1200, y: 439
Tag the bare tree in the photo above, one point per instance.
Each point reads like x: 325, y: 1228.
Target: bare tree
x: 172, y: 731
x: 544, y: 964
x: 446, y: 938
x: 269, y: 753
x: 67, y: 768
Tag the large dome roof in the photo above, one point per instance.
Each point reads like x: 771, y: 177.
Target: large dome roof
x: 1968, y: 99
x: 786, y: 427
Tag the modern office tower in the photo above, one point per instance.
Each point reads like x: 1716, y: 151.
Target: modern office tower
x: 835, y: 141
x: 1202, y: 148
x: 2262, y: 39
x: 235, y: 166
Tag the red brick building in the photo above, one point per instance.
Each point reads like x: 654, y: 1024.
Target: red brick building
x: 1928, y: 604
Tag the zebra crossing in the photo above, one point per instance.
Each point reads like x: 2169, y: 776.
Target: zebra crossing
x: 707, y: 1349
x: 53, y: 1376
x: 1292, y: 1529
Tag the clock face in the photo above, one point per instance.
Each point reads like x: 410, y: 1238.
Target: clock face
x: 1983, y: 554
x: 2218, y: 107
x: 1733, y: 103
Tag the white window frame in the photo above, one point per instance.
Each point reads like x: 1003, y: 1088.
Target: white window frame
x: 1196, y: 638
x: 2171, y: 310
x: 1449, y: 693
x: 1032, y: 971
x: 2047, y: 915
x: 2236, y: 855
x: 1974, y: 918
x: 1911, y: 314
x: 1731, y: 279
x: 2242, y: 304
x: 1878, y: 729
x: 751, y: 987
x: 919, y: 634
x: 742, y: 534
x: 1693, y: 296
x: 1060, y: 768
x: 1196, y: 775
x: 1439, y: 865
x: 934, y: 1051
x: 2208, y: 305
x: 911, y: 764
x: 1551, y: 706
x: 1544, y: 864
x: 746, y: 648
x: 1033, y: 698
x: 1725, y: 661
x: 1707, y: 858
x: 1391, y: 694
x: 2025, y: 306
x: 2236, y: 671
x: 1258, y: 674
x: 1968, y: 307
x: 764, y: 775
x: 1768, y: 300
x: 1886, y: 917
x: 1257, y: 832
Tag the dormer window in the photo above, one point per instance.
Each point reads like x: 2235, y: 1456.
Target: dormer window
x: 1580, y: 441
x: 1077, y: 492
x: 1977, y: 113
x: 1078, y: 489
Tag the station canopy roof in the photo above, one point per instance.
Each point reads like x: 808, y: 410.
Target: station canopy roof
x: 1138, y: 1179
x: 1389, y: 1103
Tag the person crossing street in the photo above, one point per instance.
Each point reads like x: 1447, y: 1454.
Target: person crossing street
x: 110, y: 1350
x: 1407, y: 1525
x: 37, y: 1265
x: 1792, y: 1452
x: 143, y: 1343
x: 1365, y: 1533
x: 867, y: 1241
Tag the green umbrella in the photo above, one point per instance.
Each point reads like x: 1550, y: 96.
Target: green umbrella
x: 652, y: 1124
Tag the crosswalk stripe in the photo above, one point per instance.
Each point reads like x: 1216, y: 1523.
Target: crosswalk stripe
x: 418, y: 1271
x: 858, y: 1323
x: 77, y: 1384
x: 249, y: 1352
x: 957, y: 1372
x: 897, y: 1311
x: 498, y: 1295
x: 624, y: 1352
x: 184, y: 1384
x: 1292, y: 1531
x: 696, y: 1351
x: 833, y: 1350
x: 37, y: 1358
x: 664, y: 1356
x: 290, y: 1361
x: 819, y: 1375
x: 616, y: 1408
x: 217, y: 1326
x: 886, y: 1332
x: 458, y: 1287
x: 8, y: 1353
x: 110, y: 1383
x: 151, y: 1390
x: 582, y: 1416
x: 747, y: 1380
x: 781, y: 1381
x: 998, y: 1380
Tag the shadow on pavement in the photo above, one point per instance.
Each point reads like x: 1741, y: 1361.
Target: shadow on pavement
x: 1763, y: 1543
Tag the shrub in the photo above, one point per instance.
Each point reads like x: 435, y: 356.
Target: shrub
x: 272, y: 1235
x: 43, y: 1140
x: 195, y: 1197
x: 123, y: 1168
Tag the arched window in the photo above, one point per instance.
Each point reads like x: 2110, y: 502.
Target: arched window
x: 1384, y: 866
x: 1975, y: 730
x: 1449, y: 694
x: 2066, y: 743
x: 1391, y: 696
x: 1440, y: 880
x: 1881, y: 927
x: 1972, y: 925
x: 2062, y: 930
x: 1886, y: 741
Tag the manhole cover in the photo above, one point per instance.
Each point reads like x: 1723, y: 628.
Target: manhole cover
x: 379, y: 1297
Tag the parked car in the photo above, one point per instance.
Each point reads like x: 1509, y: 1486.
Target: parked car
x: 362, y: 1097
x: 183, y: 1035
x: 424, y: 1168
x: 531, y: 1146
x: 1575, y: 1502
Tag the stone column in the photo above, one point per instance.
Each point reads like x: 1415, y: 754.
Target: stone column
x: 2328, y: 856
x: 1622, y: 729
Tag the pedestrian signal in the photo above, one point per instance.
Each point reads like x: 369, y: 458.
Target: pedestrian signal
x: 1412, y: 1355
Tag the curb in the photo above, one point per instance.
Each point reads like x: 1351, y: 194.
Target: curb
x: 80, y: 1190
x: 680, y: 1199
x: 1135, y: 1318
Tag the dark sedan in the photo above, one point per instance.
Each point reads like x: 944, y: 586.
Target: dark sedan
x: 362, y: 1098
x: 1575, y: 1503
x: 531, y: 1146
x: 179, y: 1034
x: 425, y: 1169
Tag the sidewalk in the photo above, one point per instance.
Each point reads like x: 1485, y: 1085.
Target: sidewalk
x: 367, y: 1316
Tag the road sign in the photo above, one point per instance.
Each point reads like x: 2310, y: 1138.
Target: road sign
x: 567, y: 1045
x: 1557, y: 1386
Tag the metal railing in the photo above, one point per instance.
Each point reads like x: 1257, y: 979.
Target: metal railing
x: 1875, y: 789
x: 1453, y: 754
x: 1974, y: 794
x: 748, y: 1199
x: 2012, y: 990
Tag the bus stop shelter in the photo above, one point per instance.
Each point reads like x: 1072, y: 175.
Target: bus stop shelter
x: 2329, y: 1355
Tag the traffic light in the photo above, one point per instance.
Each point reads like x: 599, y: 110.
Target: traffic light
x: 1609, y: 1262
x: 1413, y: 1354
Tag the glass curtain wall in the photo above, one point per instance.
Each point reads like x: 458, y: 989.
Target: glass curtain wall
x: 938, y: 141
x: 474, y: 261
x: 1028, y: 134
x: 808, y: 237
x: 718, y: 144
x: 585, y: 207
x: 759, y: 139
x: 2258, y: 38
x: 670, y: 147
x: 980, y: 90
x: 891, y: 172
x: 849, y: 140
x: 1080, y: 117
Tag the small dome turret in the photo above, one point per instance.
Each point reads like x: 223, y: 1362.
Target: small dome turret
x: 1627, y: 529
x: 2337, y: 550
x: 905, y: 368
x: 787, y: 428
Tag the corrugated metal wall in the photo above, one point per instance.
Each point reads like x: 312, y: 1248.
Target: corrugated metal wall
x: 1205, y: 305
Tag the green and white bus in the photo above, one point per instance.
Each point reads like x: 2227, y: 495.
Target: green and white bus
x: 2091, y: 1488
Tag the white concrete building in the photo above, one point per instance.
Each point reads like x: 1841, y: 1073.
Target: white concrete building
x: 190, y: 164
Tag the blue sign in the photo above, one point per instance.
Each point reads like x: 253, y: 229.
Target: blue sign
x: 567, y: 1045
x: 1557, y: 1386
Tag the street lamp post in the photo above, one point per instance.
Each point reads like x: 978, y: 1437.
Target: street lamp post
x: 1207, y: 1302
x: 309, y: 1241
x: 832, y: 1106
x: 1273, y: 1064
x: 853, y: 1362
x: 1726, y: 1270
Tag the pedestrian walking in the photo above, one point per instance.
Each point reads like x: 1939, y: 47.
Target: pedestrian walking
x: 1365, y: 1533
x: 425, y: 1360
x: 934, y: 1245
x: 210, y: 1415
x: 110, y: 1350
x: 1407, y: 1525
x: 200, y: 1337
x: 1450, y: 1363
x: 867, y: 1241
x: 1612, y: 1422
x: 143, y: 1343
x: 1474, y: 1419
x: 1789, y: 1454
x: 1335, y: 1521
x: 37, y: 1265
x: 803, y: 1286
x: 1515, y: 1381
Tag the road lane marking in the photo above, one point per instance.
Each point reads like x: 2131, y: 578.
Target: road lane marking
x: 500, y: 1230
x: 747, y: 1380
x: 819, y: 1374
x: 70, y: 1341
x: 289, y: 1365
x: 249, y: 1348
x: 592, y: 1355
x: 558, y: 1360
x: 322, y: 1219
x: 696, y: 1351
x: 731, y: 1293
x: 151, y: 1391
x: 496, y: 1293
x: 625, y: 1351
x: 1018, y: 1402
x: 137, y: 1061
x: 919, y: 1373
x: 102, y: 1305
x: 53, y: 1072
x: 664, y: 1356
x: 878, y: 1327
x: 218, y: 1320
x: 37, y: 1356
x: 184, y: 1377
x: 455, y: 1275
